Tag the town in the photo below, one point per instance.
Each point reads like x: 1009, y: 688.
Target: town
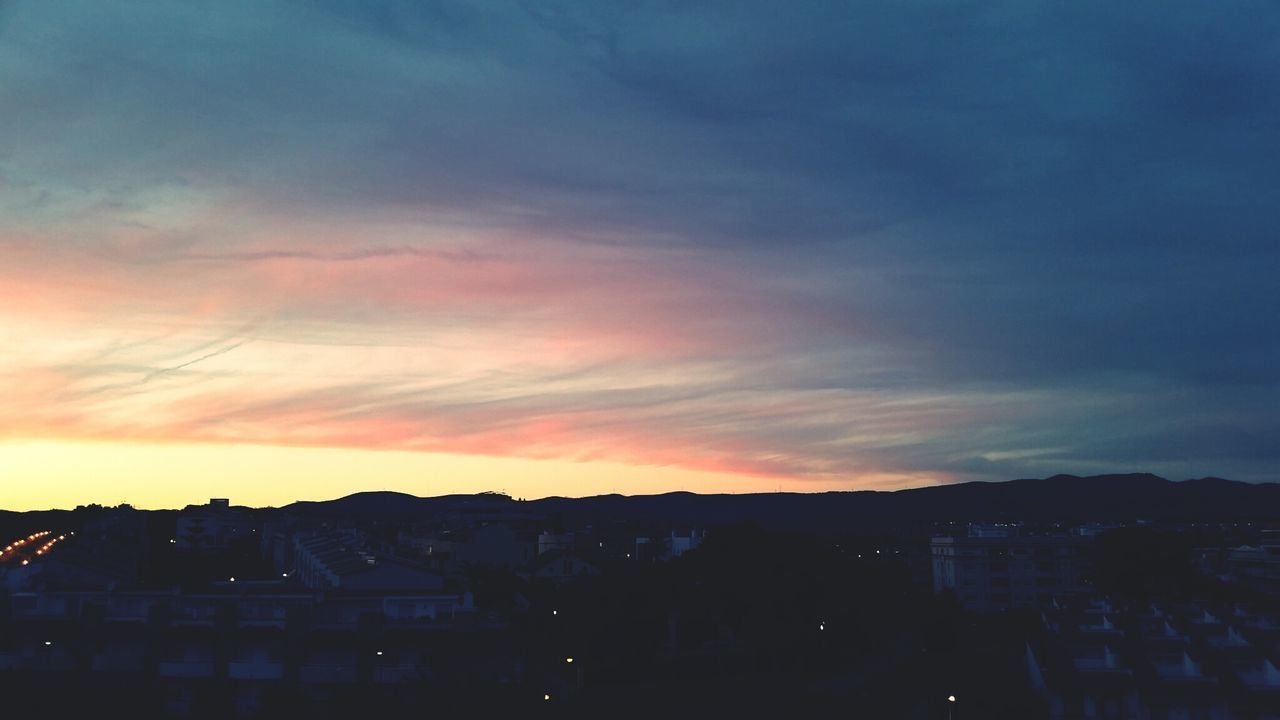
x: 391, y: 604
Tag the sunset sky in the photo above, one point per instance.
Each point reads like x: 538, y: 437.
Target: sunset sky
x: 294, y: 250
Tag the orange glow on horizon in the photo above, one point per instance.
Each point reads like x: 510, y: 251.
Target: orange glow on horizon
x: 62, y: 474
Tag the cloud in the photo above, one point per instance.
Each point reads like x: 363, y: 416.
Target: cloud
x: 929, y: 239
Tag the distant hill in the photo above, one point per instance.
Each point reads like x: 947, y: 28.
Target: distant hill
x: 404, y: 507
x: 1061, y: 497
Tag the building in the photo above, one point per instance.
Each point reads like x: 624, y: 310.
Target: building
x: 555, y: 542
x: 343, y: 560
x: 561, y: 566
x: 678, y: 544
x: 1092, y: 659
x: 1256, y: 567
x: 235, y: 646
x: 494, y: 545
x: 211, y: 528
x: 998, y: 570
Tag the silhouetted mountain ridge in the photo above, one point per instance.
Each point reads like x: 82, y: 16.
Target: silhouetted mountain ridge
x: 1119, y: 497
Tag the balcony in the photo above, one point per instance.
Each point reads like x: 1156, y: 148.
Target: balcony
x: 186, y: 668
x: 326, y: 674
x: 44, y: 608
x: 119, y: 660
x: 1183, y: 669
x: 56, y: 661
x: 1260, y: 676
x: 1230, y: 639
x: 394, y: 674
x: 1099, y: 661
x: 192, y: 618
x: 128, y: 610
x: 255, y: 670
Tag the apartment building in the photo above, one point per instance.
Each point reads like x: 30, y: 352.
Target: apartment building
x: 999, y: 567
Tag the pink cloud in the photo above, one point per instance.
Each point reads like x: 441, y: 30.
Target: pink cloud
x: 529, y: 347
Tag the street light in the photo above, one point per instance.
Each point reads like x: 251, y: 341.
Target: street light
x: 951, y: 701
x: 568, y: 659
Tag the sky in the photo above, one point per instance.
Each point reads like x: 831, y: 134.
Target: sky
x: 283, y: 250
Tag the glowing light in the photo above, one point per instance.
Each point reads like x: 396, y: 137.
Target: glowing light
x: 568, y: 659
x: 951, y: 698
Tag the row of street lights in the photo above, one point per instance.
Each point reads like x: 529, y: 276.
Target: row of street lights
x: 16, y: 545
x: 49, y: 545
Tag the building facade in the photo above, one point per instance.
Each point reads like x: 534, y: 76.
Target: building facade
x: 990, y: 570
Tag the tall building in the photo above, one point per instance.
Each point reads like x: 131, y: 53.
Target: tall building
x: 997, y: 568
x: 211, y: 528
